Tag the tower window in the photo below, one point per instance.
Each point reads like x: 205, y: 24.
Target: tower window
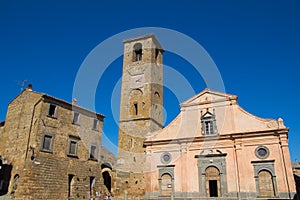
x: 157, y: 56
x: 138, y: 52
x: 156, y: 94
x: 132, y: 143
x: 136, y: 102
x: 135, y: 105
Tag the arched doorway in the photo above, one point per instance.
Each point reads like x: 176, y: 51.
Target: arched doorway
x: 166, y: 184
x: 5, y: 176
x: 106, y: 169
x: 265, y: 184
x: 71, y: 186
x: 212, y: 182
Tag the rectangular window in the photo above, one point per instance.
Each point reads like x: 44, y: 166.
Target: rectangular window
x: 52, y: 110
x: 209, y: 129
x: 72, y: 147
x: 47, y: 142
x: 95, y: 124
x: 93, y: 152
x: 132, y: 143
x: 76, y: 118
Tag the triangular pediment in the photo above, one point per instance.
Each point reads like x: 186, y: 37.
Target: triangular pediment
x: 208, y: 115
x: 208, y: 96
x: 228, y: 116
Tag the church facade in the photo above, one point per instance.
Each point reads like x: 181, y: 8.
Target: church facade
x: 213, y: 149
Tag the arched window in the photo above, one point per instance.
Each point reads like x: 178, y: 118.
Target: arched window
x: 131, y: 143
x: 156, y: 54
x: 212, y: 179
x: 135, y: 99
x: 136, y: 108
x: 265, y: 184
x: 138, y: 52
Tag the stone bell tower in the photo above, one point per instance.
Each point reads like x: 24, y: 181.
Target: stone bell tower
x: 141, y: 110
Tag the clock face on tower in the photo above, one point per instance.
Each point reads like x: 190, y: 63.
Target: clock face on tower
x: 137, y: 81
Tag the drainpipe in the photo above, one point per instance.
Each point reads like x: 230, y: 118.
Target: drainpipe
x: 30, y: 128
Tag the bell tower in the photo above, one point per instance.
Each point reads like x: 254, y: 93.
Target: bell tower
x: 141, y: 110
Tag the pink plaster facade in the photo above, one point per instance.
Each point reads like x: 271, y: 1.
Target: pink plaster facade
x: 230, y: 142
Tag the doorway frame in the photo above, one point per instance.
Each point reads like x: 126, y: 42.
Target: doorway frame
x: 212, y: 160
x: 165, y: 169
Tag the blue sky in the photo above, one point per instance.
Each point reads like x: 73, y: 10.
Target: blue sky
x: 255, y: 45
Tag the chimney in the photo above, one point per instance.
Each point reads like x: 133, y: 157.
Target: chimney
x: 74, y: 101
x: 29, y: 87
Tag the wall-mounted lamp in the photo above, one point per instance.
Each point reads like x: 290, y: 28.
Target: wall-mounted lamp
x: 31, y: 148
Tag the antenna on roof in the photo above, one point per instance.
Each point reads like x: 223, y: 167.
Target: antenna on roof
x: 23, y: 83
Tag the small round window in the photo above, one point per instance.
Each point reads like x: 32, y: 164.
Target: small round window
x: 166, y: 158
x: 262, y: 152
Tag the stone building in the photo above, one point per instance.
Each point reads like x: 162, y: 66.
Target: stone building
x: 212, y: 149
x: 51, y: 149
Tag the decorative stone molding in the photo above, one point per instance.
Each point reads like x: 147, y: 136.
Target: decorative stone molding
x: 212, y: 160
x: 165, y: 169
x: 262, y: 152
x: 166, y: 158
x: 267, y: 165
